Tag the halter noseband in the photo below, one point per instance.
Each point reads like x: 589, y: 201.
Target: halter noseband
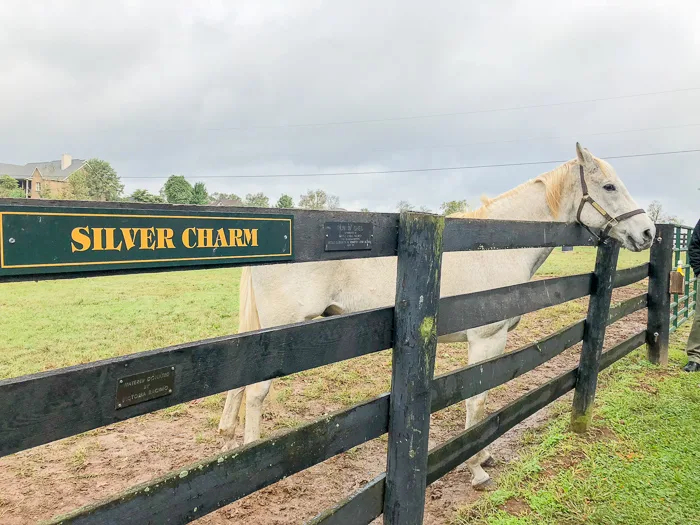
x: 612, y: 221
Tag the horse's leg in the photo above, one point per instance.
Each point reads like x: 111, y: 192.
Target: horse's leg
x: 484, y: 343
x: 229, y: 418
x: 254, y: 397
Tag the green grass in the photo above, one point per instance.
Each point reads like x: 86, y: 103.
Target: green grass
x: 639, y: 465
x: 582, y: 260
x: 52, y: 324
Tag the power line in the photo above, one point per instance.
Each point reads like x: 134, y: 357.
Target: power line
x: 417, y: 170
x: 449, y: 114
x: 298, y: 153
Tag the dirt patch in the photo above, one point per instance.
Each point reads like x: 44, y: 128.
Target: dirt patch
x: 56, y: 478
x: 516, y: 507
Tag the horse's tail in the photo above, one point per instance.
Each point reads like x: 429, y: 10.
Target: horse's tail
x: 248, y: 319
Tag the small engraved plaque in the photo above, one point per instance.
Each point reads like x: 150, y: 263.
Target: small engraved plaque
x: 145, y: 386
x: 346, y: 236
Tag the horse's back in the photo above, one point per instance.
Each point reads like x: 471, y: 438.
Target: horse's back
x: 294, y: 292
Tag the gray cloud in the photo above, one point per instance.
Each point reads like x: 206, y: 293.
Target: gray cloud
x: 213, y: 89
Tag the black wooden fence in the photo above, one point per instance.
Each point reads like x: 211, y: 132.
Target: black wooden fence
x: 48, y: 406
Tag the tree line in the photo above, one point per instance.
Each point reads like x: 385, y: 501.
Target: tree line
x: 98, y: 181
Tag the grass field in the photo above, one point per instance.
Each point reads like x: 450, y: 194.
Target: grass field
x: 639, y: 465
x: 52, y: 324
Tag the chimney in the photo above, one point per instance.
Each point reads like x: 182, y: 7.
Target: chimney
x: 66, y: 161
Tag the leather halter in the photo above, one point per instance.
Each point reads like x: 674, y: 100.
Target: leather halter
x: 612, y: 221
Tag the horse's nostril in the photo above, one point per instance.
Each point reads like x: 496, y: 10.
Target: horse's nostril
x: 647, y: 235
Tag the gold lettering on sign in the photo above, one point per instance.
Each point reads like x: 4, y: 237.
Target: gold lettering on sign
x: 85, y: 238
x: 186, y: 237
x: 165, y: 238
x: 109, y: 233
x: 129, y: 235
x: 147, y: 242
x: 81, y: 241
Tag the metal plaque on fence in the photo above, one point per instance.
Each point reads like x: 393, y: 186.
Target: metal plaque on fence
x: 347, y: 236
x: 145, y: 386
x: 40, y: 240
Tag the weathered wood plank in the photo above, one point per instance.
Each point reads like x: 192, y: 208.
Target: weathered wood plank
x: 413, y: 363
x: 594, y: 335
x: 488, y: 234
x: 627, y: 307
x: 309, y: 234
x: 456, y: 451
x: 660, y: 267
x: 453, y: 453
x: 44, y: 407
x: 624, y: 348
x: 462, y: 312
x: 199, y: 489
x: 631, y: 275
x: 474, y: 379
x: 361, y: 507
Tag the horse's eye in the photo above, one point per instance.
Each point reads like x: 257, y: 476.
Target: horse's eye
x: 609, y: 187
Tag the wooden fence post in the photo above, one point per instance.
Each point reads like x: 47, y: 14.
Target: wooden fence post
x: 594, y: 334
x: 415, y: 341
x: 659, y: 317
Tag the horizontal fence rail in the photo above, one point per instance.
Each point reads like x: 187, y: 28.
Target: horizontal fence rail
x: 52, y: 405
x: 82, y: 397
x: 465, y: 235
x: 227, y: 477
x: 309, y: 234
x: 366, y: 504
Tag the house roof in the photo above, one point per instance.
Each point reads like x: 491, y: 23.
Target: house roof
x: 50, y: 170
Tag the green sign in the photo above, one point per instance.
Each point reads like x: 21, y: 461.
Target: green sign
x: 38, y: 240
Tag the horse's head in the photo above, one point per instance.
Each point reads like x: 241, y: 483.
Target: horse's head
x: 606, y: 204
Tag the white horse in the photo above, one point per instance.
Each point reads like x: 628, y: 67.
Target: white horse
x: 283, y: 294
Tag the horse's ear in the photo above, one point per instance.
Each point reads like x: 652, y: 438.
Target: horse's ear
x: 584, y: 156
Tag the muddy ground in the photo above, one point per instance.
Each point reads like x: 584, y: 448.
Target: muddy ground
x: 53, y: 479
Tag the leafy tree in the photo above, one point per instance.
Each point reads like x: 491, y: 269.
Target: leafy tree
x: 96, y: 181
x: 199, y: 194
x: 404, y: 206
x: 285, y: 201
x: 145, y: 196
x: 177, y: 190
x: 9, y: 188
x: 319, y: 200
x: 216, y: 196
x: 450, y: 207
x: 656, y: 213
x: 257, y: 200
x: 364, y: 210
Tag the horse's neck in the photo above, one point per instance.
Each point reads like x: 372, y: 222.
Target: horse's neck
x: 529, y: 203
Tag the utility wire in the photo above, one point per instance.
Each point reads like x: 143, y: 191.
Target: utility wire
x: 449, y: 114
x: 416, y: 170
x: 298, y: 153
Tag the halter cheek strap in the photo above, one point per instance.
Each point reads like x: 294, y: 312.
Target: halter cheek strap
x: 612, y: 221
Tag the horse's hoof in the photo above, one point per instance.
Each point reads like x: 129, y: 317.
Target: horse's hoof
x: 229, y: 445
x: 484, y: 486
x: 489, y: 462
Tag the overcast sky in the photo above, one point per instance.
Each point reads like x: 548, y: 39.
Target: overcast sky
x: 208, y: 88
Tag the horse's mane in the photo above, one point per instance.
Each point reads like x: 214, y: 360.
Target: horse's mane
x: 554, y: 183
